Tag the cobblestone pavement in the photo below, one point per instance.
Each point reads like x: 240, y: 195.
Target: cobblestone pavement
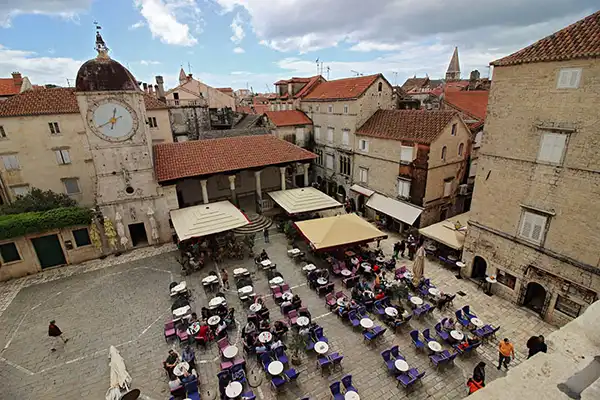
x: 124, y: 301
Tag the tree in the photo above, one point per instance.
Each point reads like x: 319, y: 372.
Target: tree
x: 37, y: 200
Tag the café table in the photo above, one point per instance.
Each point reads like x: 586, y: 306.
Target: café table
x: 302, y: 321
x: 366, y: 265
x: 490, y: 280
x: 181, y: 312
x: 179, y: 288
x: 293, y: 252
x: 210, y: 279
x: 181, y: 368
x: 380, y: 259
x: 214, y: 320
x: 354, y: 260
x: 340, y: 301
x: 287, y: 296
x: 434, y: 346
x: 216, y: 301
x: 278, y: 280
x: 350, y: 253
x: 346, y: 272
x: 351, y: 395
x: 321, y: 347
x: 477, y: 322
x: 230, y: 351
x: 255, y: 307
x: 434, y: 291
x: 193, y: 328
x: 275, y: 367
x: 234, y: 389
x: 417, y: 301
x: 246, y: 289
x: 309, y: 267
x: 401, y: 365
x: 457, y: 335
x: 408, y: 275
x: 239, y: 271
x: 460, y: 264
x: 265, y: 337
x: 322, y: 281
x: 366, y: 323
x: 265, y: 263
x: 391, y: 311
x: 431, y: 248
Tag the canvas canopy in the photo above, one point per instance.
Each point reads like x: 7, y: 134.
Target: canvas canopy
x: 399, y: 210
x: 342, y: 230
x: 206, y: 219
x: 450, y: 232
x: 301, y: 200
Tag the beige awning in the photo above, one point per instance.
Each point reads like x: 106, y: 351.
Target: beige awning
x: 396, y: 209
x: 341, y: 230
x: 362, y: 190
x: 301, y: 200
x: 450, y: 232
x: 206, y: 219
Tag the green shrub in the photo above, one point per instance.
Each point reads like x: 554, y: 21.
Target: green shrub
x: 15, y: 225
x: 37, y: 200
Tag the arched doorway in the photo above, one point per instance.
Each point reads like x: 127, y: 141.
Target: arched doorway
x: 479, y: 268
x: 361, y: 204
x: 341, y: 193
x: 332, y: 189
x: 535, y: 297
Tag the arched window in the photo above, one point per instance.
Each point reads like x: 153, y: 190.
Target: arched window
x: 461, y: 147
x: 444, y: 153
x: 380, y: 87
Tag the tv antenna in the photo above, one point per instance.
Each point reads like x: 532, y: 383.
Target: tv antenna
x: 395, y: 78
x: 356, y: 73
x: 328, y: 70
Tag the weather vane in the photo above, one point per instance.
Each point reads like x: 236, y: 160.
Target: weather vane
x: 101, y: 47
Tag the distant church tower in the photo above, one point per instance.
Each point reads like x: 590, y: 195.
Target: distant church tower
x: 453, y: 72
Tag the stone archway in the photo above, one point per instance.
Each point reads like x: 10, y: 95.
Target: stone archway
x: 360, y: 207
x: 479, y: 268
x: 535, y: 297
x: 341, y: 193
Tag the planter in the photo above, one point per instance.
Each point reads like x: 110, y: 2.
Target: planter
x: 296, y: 360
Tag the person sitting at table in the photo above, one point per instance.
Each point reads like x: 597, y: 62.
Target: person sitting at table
x: 221, y: 330
x: 263, y: 255
x: 264, y: 325
x: 229, y: 318
x: 171, y: 362
x: 286, y: 306
x: 276, y: 344
x: 380, y: 294
x: 194, y: 318
x: 312, y: 279
x: 355, y: 294
x: 449, y: 325
x: 205, y: 312
x: 189, y: 356
x: 221, y: 311
x: 176, y: 387
x: 296, y: 302
x: 280, y: 329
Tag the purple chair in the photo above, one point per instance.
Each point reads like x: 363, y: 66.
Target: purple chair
x: 293, y: 317
x: 379, y: 308
x: 280, y: 355
x: 335, y: 391
x: 405, y: 380
x: 182, y: 335
x: 467, y: 311
x: 441, y: 333
x: 319, y: 335
x: 170, y: 330
x: 353, y: 318
x: 291, y: 374
x: 459, y: 317
x: 388, y: 361
x: 330, y: 300
x: 248, y: 396
x: 437, y: 359
x: 347, y: 382
x: 277, y: 382
x: 336, y: 360
x: 414, y: 335
x: 265, y: 360
x: 427, y: 337
x: 322, y: 363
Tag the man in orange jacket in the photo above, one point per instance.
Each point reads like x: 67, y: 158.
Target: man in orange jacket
x: 505, y: 351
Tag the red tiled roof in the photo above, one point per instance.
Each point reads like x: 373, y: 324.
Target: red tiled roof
x: 312, y: 83
x: 54, y: 101
x: 226, y: 90
x: 414, y: 83
x: 473, y: 102
x: 293, y: 80
x: 8, y: 87
x: 210, y: 156
x: 288, y: 118
x: 339, y: 89
x: 419, y: 126
x: 578, y: 40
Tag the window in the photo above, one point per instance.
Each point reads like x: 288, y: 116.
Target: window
x: 461, y: 148
x: 11, y: 162
x: 54, y: 128
x: 406, y: 153
x: 317, y: 132
x: 569, y: 78
x: 345, y: 166
x: 9, y: 252
x: 319, y: 154
x: 533, y: 226
x: 71, y: 185
x: 2, y: 132
x: 448, y: 188
x: 22, y: 190
x: 152, y: 122
x: 552, y: 147
x: 363, y: 175
x: 403, y: 188
x: 329, y: 160
x: 380, y: 87
x: 444, y: 153
x: 567, y: 306
x: 82, y: 237
x: 330, y: 108
x: 62, y: 156
x: 309, y: 108
x: 300, y: 134
x: 318, y: 108
x: 290, y: 138
x: 506, y: 279
x: 330, y: 135
x: 345, y: 108
x: 473, y: 169
x: 453, y: 133
x: 363, y: 145
x: 346, y: 137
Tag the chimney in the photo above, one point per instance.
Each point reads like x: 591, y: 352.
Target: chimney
x: 160, y: 82
x: 474, y: 75
x: 17, y: 79
x: 145, y: 85
x: 150, y: 90
x: 155, y: 90
x: 189, y: 77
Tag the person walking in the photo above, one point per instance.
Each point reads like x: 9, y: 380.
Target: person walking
x: 55, y: 333
x: 225, y: 277
x: 266, y: 235
x: 402, y: 247
x: 479, y: 373
x: 396, y: 250
x: 505, y: 351
x: 536, y: 344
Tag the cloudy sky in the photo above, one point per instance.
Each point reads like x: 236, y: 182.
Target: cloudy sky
x: 253, y: 43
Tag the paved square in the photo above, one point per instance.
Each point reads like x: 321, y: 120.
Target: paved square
x: 126, y: 304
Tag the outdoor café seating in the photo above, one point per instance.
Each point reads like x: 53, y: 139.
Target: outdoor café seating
x: 409, y: 378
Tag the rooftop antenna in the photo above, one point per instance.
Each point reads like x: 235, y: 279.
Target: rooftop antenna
x: 267, y: 86
x: 356, y: 72
x: 317, y: 62
x: 328, y: 70
x: 68, y: 82
x: 189, y: 68
x: 395, y: 78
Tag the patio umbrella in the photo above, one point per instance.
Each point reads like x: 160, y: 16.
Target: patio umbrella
x: 153, y: 225
x: 95, y: 236
x: 119, y: 377
x: 111, y: 235
x: 418, y: 265
x: 121, y: 230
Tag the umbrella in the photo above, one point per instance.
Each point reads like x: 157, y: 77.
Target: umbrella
x: 111, y: 235
x: 154, y: 232
x: 119, y: 377
x: 418, y: 265
x: 95, y: 236
x: 121, y: 230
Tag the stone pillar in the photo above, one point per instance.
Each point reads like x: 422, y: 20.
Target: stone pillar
x: 306, y: 175
x: 204, y: 191
x: 259, y: 204
x: 232, y: 188
x: 282, y: 171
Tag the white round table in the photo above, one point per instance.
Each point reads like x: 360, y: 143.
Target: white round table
x: 275, y: 367
x: 408, y: 275
x: 366, y: 323
x: 434, y: 291
x: 380, y: 259
x: 214, y: 320
x: 477, y: 322
x: 210, y: 279
x: 179, y: 288
x: 255, y: 307
x: 234, y: 389
x: 180, y: 368
x: 351, y: 395
x: 246, y: 289
x: 265, y: 263
x: 416, y: 300
x: 239, y: 271
x: 401, y: 365
x: 366, y: 265
x: 302, y: 321
x: 391, y: 311
x: 230, y: 351
x: 321, y: 347
x: 193, y: 328
x: 452, y: 257
x: 216, y: 301
x: 181, y: 311
x: 322, y: 281
x: 490, y: 280
x: 309, y: 267
x: 340, y: 301
x: 434, y: 346
x: 265, y: 337
x: 346, y: 272
x: 460, y: 264
x: 294, y: 251
x: 457, y: 335
x: 287, y: 296
x: 276, y: 281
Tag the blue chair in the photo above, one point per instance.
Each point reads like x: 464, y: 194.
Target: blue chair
x: 379, y: 308
x: 417, y: 312
x: 280, y: 355
x: 414, y: 335
x: 386, y: 355
x: 467, y: 311
x: 369, y: 336
x: 459, y: 317
x: 427, y: 337
x: 319, y: 335
x: 353, y: 318
x: 480, y: 333
x: 277, y: 382
x: 437, y: 359
x: 336, y: 360
x: 414, y: 373
x: 347, y: 382
x: 310, y: 345
x: 265, y: 360
x: 395, y: 353
x: 405, y: 380
x: 362, y: 312
x: 238, y: 374
x: 291, y: 374
x: 441, y: 333
x: 248, y: 396
x: 323, y: 362
x: 335, y: 391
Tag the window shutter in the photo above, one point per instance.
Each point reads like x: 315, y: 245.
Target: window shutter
x: 558, y: 146
x: 547, y: 147
x: 58, y: 157
x: 406, y: 153
x: 526, y: 229
x: 317, y: 132
x: 563, y: 79
x: 447, y: 188
x: 574, y: 79
x: 538, y: 227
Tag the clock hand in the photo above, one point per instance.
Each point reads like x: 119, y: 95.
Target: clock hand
x: 114, y: 112
x: 114, y: 121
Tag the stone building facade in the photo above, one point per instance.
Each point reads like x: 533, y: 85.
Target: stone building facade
x: 534, y: 218
x: 194, y: 92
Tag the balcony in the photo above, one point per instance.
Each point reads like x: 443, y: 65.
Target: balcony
x: 187, y: 103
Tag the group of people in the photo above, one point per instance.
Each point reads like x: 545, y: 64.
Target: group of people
x: 410, y: 245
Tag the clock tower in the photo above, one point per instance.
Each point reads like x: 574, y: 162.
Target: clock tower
x: 114, y: 113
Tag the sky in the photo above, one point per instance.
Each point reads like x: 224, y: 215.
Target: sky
x: 253, y: 43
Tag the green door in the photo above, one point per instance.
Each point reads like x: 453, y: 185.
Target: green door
x: 49, y: 251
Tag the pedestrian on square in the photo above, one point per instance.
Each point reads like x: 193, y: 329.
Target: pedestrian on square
x: 189, y: 356
x: 536, y: 344
x: 479, y: 373
x: 402, y: 247
x: 505, y: 351
x: 55, y: 333
x: 266, y: 235
x: 396, y: 250
x: 225, y: 277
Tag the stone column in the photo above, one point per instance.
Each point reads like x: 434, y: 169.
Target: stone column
x: 258, y: 192
x: 204, y: 191
x: 282, y: 171
x: 232, y: 188
x: 306, y: 175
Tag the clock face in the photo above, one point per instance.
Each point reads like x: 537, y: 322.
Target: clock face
x: 112, y: 120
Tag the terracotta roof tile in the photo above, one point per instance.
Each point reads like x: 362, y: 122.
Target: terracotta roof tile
x: 473, y: 102
x: 419, y: 126
x: 226, y: 90
x: 578, y: 40
x: 312, y: 83
x: 204, y: 157
x: 8, y: 87
x: 339, y: 89
x: 412, y: 83
x: 288, y: 118
x: 54, y: 101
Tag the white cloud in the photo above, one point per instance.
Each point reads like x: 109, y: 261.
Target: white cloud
x: 170, y: 20
x: 237, y: 29
x: 239, y: 50
x: 137, y: 25
x: 149, y: 62
x: 373, y: 46
x: 69, y: 9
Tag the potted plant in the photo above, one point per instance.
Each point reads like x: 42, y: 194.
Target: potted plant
x: 295, y: 345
